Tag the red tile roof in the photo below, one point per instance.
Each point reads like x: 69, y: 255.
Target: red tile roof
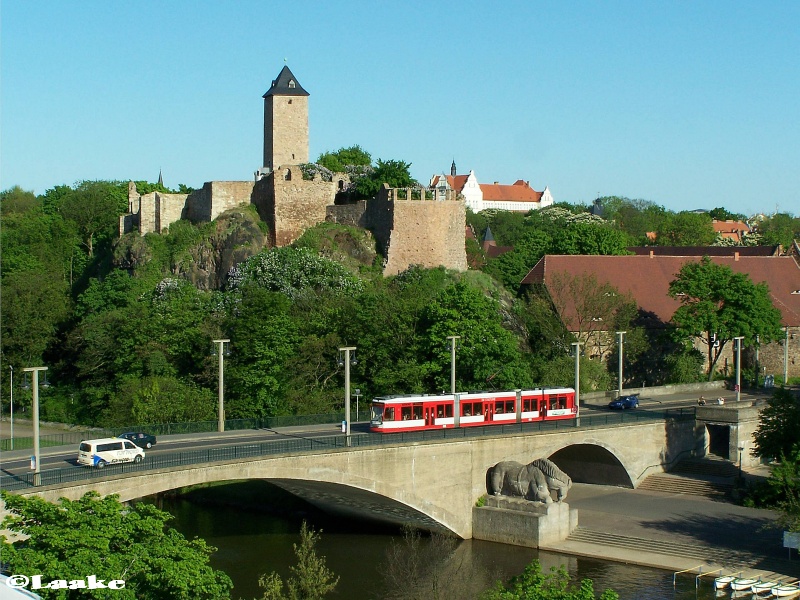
x: 520, y: 191
x: 647, y: 279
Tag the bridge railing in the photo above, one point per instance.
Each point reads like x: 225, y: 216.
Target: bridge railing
x: 75, y: 437
x: 307, y: 445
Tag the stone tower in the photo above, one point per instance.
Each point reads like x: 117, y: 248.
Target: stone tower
x: 285, y: 122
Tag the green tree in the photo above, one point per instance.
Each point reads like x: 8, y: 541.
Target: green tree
x: 780, y: 228
x: 393, y: 172
x: 718, y: 305
x: 95, y: 207
x: 16, y: 200
x: 784, y: 487
x: 103, y: 537
x: 722, y: 214
x: 339, y: 161
x: 311, y: 579
x: 685, y: 229
x: 533, y: 584
x: 778, y: 431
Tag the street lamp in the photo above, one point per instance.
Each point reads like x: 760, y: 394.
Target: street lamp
x: 786, y: 356
x: 621, y: 335
x: 37, y: 477
x: 577, y: 346
x: 738, y: 367
x: 453, y: 339
x: 11, y: 416
x: 346, y: 362
x: 222, y: 353
x: 357, y: 395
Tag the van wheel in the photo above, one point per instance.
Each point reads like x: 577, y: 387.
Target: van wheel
x: 101, y: 464
x: 137, y: 459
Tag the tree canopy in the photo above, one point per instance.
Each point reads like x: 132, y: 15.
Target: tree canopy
x: 533, y: 584
x: 718, y: 304
x: 101, y: 536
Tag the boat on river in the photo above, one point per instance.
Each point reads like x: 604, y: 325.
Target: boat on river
x: 785, y: 591
x: 722, y: 582
x: 742, y: 584
x: 764, y: 587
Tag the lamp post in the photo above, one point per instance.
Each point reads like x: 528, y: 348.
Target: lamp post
x: 347, y: 363
x: 453, y: 339
x: 577, y: 346
x: 221, y: 352
x: 11, y: 416
x: 357, y: 395
x: 37, y: 477
x: 786, y: 356
x: 621, y: 335
x: 738, y: 367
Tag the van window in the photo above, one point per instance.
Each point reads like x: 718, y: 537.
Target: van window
x: 130, y: 446
x: 108, y: 447
x: 84, y: 447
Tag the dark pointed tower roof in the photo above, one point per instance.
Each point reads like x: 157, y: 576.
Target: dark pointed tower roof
x: 453, y: 168
x: 286, y: 84
x: 488, y: 237
x: 160, y: 179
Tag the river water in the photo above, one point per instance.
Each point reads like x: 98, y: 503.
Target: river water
x: 252, y: 542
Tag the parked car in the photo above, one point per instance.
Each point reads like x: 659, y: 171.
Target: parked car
x: 106, y: 451
x: 624, y: 402
x: 143, y: 440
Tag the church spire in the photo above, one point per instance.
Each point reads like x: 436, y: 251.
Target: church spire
x: 453, y: 168
x: 160, y: 179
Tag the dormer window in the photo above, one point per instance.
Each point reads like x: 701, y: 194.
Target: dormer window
x: 292, y: 84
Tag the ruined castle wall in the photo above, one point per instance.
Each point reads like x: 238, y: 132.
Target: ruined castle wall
x: 215, y: 197
x: 290, y: 204
x: 348, y: 214
x: 169, y: 209
x: 427, y: 233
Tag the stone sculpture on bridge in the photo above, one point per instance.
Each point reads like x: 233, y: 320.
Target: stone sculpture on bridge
x: 534, y: 481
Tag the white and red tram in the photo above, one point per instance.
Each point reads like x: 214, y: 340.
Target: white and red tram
x: 413, y: 413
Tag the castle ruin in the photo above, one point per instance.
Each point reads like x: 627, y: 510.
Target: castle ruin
x: 412, y: 227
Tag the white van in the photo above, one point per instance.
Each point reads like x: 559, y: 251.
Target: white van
x: 106, y: 451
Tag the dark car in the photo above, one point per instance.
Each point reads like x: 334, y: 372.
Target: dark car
x: 624, y: 402
x: 143, y: 440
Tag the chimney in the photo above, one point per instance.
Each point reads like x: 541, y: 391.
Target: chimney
x: 736, y: 256
x: 652, y: 254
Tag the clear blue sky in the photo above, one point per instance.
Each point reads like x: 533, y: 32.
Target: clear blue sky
x: 687, y: 104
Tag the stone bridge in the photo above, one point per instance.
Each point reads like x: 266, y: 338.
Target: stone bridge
x: 432, y: 484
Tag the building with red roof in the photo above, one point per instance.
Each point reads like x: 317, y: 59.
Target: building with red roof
x: 646, y: 278
x: 519, y: 196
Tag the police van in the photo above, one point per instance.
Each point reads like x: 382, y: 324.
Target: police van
x: 107, y: 451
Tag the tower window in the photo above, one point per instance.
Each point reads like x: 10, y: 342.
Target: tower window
x: 290, y: 100
x: 287, y: 174
x: 292, y: 84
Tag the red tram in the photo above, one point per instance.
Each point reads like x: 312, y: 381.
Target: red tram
x: 414, y: 413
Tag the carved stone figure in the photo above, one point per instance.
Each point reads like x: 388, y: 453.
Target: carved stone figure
x: 534, y: 481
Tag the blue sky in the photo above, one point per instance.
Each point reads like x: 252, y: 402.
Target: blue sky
x: 686, y: 104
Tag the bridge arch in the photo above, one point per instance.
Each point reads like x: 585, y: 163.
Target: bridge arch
x: 592, y: 463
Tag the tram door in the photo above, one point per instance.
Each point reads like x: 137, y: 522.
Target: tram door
x: 488, y: 411
x: 430, y: 415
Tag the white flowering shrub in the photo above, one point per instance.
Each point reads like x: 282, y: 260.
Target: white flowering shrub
x: 293, y: 271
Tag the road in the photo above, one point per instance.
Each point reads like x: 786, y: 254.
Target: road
x: 65, y: 457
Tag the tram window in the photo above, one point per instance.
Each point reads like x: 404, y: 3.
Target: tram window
x: 510, y: 406
x: 526, y: 405
x: 562, y: 402
x: 388, y: 413
x: 552, y: 403
x: 448, y: 410
x: 417, y: 411
x: 498, y: 407
x: 406, y: 412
